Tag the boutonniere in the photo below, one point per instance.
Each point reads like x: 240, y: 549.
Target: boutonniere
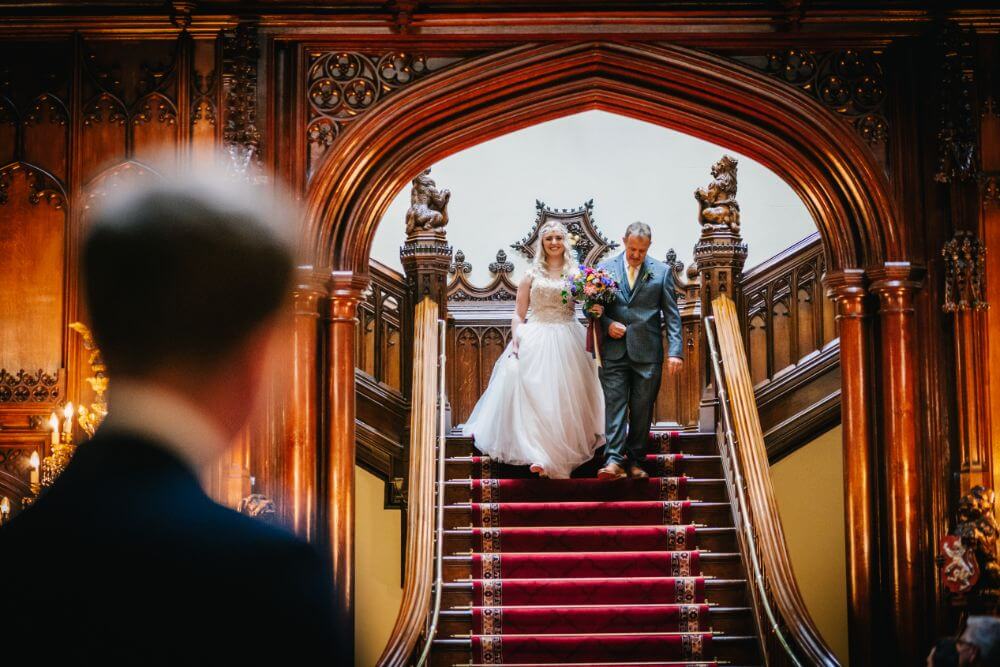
x: 648, y: 277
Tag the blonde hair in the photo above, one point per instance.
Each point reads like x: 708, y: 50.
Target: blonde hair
x: 539, y: 264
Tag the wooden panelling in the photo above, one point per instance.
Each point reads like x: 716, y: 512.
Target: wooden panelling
x: 32, y: 244
x: 788, y: 318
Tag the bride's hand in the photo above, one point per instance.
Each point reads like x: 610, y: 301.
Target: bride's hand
x: 515, y: 344
x: 597, y: 310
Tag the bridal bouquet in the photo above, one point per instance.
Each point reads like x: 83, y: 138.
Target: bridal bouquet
x: 590, y: 286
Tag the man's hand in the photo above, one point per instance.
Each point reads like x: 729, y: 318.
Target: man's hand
x: 596, y: 310
x: 616, y: 330
x: 674, y: 365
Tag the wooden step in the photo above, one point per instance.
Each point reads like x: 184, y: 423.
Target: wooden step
x: 690, y: 442
x: 706, y: 513
x: 728, y: 620
x: 732, y: 649
x: 460, y: 541
x: 711, y: 490
x: 693, y: 465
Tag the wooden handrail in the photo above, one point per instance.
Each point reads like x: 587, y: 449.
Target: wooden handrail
x: 415, y: 605
x: 787, y: 632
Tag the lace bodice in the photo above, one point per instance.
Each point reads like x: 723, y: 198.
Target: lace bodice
x: 546, y: 300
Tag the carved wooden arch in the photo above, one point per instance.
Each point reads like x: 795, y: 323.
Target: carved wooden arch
x: 698, y: 93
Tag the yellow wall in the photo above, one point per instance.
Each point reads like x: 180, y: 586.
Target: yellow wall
x: 377, y: 566
x: 809, y: 488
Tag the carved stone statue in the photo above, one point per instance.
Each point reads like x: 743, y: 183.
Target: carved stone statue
x: 428, y: 205
x: 717, y: 203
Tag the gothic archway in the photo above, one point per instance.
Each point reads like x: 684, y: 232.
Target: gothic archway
x: 683, y: 89
x: 701, y: 94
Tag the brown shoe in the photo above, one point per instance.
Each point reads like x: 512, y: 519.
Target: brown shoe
x: 610, y: 472
x: 635, y: 471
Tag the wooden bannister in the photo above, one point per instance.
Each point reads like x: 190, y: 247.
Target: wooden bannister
x: 419, y: 564
x: 787, y: 632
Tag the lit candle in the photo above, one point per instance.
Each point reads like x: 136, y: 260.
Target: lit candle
x: 35, y: 463
x: 68, y: 418
x: 54, y: 425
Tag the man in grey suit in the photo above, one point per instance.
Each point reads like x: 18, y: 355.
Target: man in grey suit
x: 633, y: 350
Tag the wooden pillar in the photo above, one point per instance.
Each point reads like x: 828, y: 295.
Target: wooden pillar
x: 300, y: 471
x: 964, y: 260
x: 719, y: 255
x: 847, y: 289
x: 904, y: 546
x: 426, y: 257
x: 337, y: 452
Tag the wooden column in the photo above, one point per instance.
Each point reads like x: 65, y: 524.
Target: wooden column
x: 719, y: 255
x: 302, y: 424
x: 904, y: 547
x: 426, y: 257
x: 964, y: 260
x: 847, y: 289
x: 337, y: 452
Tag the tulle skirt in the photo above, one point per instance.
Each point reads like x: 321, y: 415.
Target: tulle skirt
x: 546, y: 405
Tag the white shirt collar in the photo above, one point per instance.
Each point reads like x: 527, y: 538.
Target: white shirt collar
x: 163, y: 416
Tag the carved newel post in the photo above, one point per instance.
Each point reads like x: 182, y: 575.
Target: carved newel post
x: 719, y: 255
x: 426, y: 255
x: 964, y: 284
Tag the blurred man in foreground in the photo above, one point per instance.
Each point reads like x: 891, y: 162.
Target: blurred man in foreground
x: 125, y: 560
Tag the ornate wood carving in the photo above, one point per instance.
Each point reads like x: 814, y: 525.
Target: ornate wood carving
x: 964, y: 260
x: 590, y: 244
x: 240, y: 53
x: 459, y: 265
x: 851, y: 83
x: 343, y: 85
x: 501, y: 289
x: 974, y: 586
x: 958, y: 135
x: 501, y: 265
x: 30, y: 387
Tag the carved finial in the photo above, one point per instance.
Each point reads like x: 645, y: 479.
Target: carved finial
x: 501, y: 265
x: 671, y: 257
x: 460, y: 265
x: 717, y: 203
x: 964, y: 260
x: 428, y: 205
x: 539, y: 205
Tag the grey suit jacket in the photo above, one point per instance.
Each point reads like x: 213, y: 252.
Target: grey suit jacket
x: 643, y: 310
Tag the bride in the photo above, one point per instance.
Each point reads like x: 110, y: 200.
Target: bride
x: 544, y: 405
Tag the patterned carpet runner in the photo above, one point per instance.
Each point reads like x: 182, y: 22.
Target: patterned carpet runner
x: 587, y: 572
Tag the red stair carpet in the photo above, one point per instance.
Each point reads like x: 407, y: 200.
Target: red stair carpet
x: 586, y: 572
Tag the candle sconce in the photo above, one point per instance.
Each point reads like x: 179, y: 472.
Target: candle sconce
x: 90, y: 419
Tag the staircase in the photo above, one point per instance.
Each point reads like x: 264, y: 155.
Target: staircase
x: 584, y: 572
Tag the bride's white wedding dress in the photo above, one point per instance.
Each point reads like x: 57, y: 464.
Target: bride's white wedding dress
x: 544, y: 406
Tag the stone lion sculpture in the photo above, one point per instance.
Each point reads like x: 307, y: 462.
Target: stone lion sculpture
x: 428, y: 205
x: 717, y: 203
